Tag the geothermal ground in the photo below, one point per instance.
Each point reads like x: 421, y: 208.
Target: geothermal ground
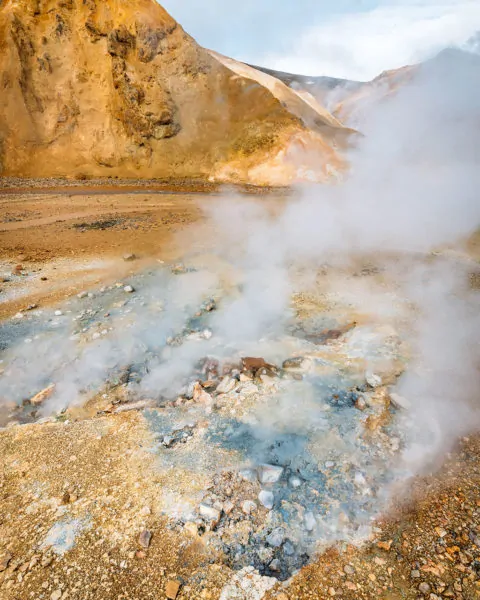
x: 155, y: 447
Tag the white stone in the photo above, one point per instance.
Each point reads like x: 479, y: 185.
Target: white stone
x: 310, y: 521
x: 128, y: 289
x: 247, y: 584
x: 58, y: 313
x: 266, y: 498
x: 400, y: 402
x: 226, y: 385
x: 209, y: 513
x: 373, y: 380
x: 269, y: 473
x: 248, y: 507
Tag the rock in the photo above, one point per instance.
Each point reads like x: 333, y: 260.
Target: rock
x: 399, y: 402
x: 276, y: 538
x: 299, y: 364
x: 386, y: 545
x: 211, y: 514
x: 275, y: 566
x: 82, y: 295
x: 373, y: 380
x: 415, y: 574
x: 294, y: 481
x: 129, y: 257
x: 128, y: 289
x: 266, y: 498
x: 361, y: 404
x: 191, y: 528
x: 203, y: 397
x: 424, y: 588
x: 269, y: 474
x: 5, y: 561
x: 349, y: 570
x: 310, y: 521
x: 145, y: 538
x: 248, y: 507
x: 58, y: 313
x: 172, y: 588
x: 57, y: 594
x: 226, y: 385
x: 255, y: 364
x: 248, y: 475
x: 265, y: 554
x: 329, y: 464
x: 40, y: 398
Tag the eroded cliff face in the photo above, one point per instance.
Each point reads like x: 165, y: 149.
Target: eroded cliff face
x: 117, y: 88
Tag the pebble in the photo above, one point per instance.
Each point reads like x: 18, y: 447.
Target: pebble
x: 209, y: 513
x: 424, y: 588
x: 373, y: 380
x: 266, y: 498
x: 349, y: 570
x: 399, y: 402
x: 172, y: 588
x: 57, y: 594
x: 310, y: 521
x: 128, y: 289
x: 82, y: 295
x: 129, y: 257
x: 58, y: 313
x: 248, y: 507
x: 276, y: 538
x: 226, y: 385
x: 295, y: 481
x: 269, y: 473
x: 145, y: 538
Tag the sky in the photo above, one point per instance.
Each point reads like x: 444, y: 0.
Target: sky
x: 355, y: 39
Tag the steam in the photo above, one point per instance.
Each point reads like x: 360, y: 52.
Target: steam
x: 410, y: 197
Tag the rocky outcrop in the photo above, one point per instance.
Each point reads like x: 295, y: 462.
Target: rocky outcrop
x: 118, y: 89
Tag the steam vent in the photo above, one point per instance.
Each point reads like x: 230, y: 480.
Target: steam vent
x: 239, y: 320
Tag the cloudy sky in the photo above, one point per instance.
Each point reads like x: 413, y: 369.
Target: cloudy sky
x: 356, y: 39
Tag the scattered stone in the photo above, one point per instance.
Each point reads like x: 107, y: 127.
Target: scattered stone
x: 299, y: 364
x: 399, y: 402
x: 248, y: 506
x: 40, y: 398
x: 145, y: 538
x: 310, y: 521
x: 203, y: 397
x: 424, y: 588
x: 361, y: 403
x: 294, y: 481
x: 247, y: 585
x: 266, y: 498
x: 248, y: 475
x: 276, y: 538
x: 269, y: 474
x: 82, y: 295
x: 255, y: 364
x: 211, y: 514
x: 373, y: 380
x: 349, y: 570
x: 5, y: 561
x: 386, y: 545
x: 58, y: 313
x: 32, y: 307
x: 128, y: 289
x: 415, y: 574
x: 275, y: 566
x: 129, y: 257
x: 172, y: 588
x: 226, y: 385
x: 57, y: 594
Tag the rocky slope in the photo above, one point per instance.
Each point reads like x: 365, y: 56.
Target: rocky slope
x: 117, y: 88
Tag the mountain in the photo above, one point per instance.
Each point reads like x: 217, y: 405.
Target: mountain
x: 116, y: 88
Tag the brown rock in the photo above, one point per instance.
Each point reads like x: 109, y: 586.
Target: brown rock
x: 385, y: 545
x: 172, y: 589
x: 40, y: 398
x: 5, y: 561
x: 145, y: 538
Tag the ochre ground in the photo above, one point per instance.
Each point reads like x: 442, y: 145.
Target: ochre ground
x: 428, y: 547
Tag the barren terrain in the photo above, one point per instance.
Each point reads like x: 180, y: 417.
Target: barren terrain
x: 94, y: 504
